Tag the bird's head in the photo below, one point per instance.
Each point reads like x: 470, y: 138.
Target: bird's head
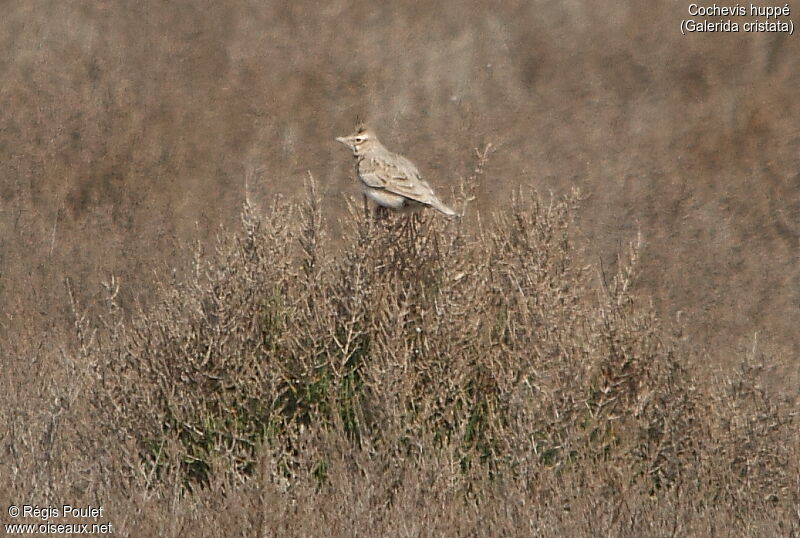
x: 360, y: 141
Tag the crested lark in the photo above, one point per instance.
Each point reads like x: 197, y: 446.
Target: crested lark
x: 390, y: 180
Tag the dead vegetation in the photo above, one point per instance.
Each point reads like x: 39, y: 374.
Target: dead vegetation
x: 311, y: 374
x: 463, y: 377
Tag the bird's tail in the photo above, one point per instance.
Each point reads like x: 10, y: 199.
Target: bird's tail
x: 441, y: 208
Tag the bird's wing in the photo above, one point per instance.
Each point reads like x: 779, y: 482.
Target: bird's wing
x: 371, y: 172
x: 397, y: 175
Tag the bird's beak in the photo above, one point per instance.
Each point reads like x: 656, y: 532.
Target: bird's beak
x: 343, y: 140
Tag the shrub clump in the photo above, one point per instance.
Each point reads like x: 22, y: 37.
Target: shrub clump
x: 486, y: 346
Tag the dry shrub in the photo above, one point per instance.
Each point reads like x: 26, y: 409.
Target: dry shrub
x: 467, y: 377
x: 484, y: 347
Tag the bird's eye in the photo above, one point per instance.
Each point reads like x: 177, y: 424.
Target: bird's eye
x: 359, y: 139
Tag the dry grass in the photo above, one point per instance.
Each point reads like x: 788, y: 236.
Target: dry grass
x: 127, y: 130
x: 274, y: 381
x: 463, y: 377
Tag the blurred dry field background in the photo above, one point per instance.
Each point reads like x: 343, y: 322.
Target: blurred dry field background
x: 129, y: 131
